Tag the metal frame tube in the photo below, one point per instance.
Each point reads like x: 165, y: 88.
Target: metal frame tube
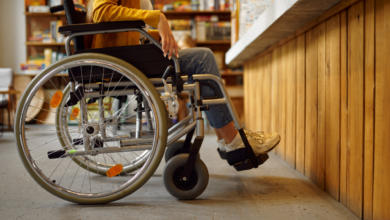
x: 199, y: 119
x: 132, y: 142
x: 149, y: 123
x: 101, y: 118
x: 181, y: 133
x: 138, y: 122
x: 178, y: 125
x: 103, y: 150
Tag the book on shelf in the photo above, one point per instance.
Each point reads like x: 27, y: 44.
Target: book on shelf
x: 57, y: 37
x: 201, y: 28
x: 40, y: 61
x: 193, y: 5
x: 211, y: 29
x: 209, y: 5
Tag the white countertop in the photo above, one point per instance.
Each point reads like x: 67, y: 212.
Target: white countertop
x: 278, y: 21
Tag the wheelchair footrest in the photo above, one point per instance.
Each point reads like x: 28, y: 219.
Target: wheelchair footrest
x: 248, y: 164
x: 222, y: 154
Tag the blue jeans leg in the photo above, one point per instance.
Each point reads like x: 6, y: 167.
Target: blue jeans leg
x: 202, y: 61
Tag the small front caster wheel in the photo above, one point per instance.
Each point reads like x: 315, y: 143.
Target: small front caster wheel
x: 191, y: 188
x: 175, y: 149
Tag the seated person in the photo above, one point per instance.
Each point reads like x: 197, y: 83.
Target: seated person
x: 192, y: 61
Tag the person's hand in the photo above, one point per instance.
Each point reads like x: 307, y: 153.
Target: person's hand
x: 168, y: 41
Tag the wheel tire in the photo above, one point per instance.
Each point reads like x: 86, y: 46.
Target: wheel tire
x: 185, y: 190
x: 175, y: 149
x: 88, y: 198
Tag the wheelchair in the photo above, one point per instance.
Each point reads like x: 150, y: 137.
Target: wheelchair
x: 119, y: 99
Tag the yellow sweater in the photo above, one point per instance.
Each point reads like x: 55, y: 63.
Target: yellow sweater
x: 121, y: 10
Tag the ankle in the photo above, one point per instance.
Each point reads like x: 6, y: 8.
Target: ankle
x: 235, y: 143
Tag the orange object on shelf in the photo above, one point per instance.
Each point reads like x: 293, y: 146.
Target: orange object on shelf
x: 75, y: 113
x: 115, y: 170
x: 56, y: 99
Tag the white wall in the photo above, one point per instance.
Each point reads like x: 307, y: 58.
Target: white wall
x: 12, y: 34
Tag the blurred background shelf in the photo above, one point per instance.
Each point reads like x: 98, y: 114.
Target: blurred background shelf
x: 37, y: 43
x: 43, y: 14
x: 223, y: 15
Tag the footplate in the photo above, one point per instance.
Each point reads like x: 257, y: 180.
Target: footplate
x: 222, y: 154
x: 247, y: 164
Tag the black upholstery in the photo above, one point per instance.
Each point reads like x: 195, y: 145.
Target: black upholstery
x: 147, y: 58
x: 75, y: 17
x: 106, y: 26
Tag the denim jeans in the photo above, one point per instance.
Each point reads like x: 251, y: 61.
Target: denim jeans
x: 202, y: 61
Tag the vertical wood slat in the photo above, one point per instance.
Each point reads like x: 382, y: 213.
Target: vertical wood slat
x: 275, y: 94
x: 321, y: 139
x: 356, y: 105
x: 301, y: 88
x: 258, y: 85
x: 344, y: 106
x: 369, y: 108
x: 291, y: 102
x: 253, y: 102
x: 267, y: 94
x: 332, y: 155
x: 247, y: 68
x: 381, y: 196
x: 311, y: 104
x: 282, y: 94
x: 279, y: 68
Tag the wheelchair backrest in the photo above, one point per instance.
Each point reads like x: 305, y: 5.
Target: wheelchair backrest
x: 75, y: 17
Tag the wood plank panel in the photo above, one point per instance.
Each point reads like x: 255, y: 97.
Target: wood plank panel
x: 246, y: 92
x: 253, y: 99
x: 356, y: 105
x: 381, y: 195
x: 344, y: 106
x: 321, y: 106
x: 259, y: 84
x: 311, y: 104
x: 278, y: 149
x: 267, y: 94
x: 369, y: 108
x: 275, y: 94
x: 332, y: 155
x: 291, y: 80
x: 301, y: 89
x: 283, y: 93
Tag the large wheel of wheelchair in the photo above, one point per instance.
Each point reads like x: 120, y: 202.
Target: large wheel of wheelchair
x: 100, y: 167
x: 190, y: 189
x: 175, y: 149
x: 41, y: 139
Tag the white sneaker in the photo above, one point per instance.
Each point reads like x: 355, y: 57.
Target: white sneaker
x: 221, y: 145
x: 261, y: 143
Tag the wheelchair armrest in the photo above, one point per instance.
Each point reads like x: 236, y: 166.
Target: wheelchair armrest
x: 104, y: 26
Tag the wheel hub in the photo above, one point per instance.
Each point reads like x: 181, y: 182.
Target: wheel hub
x: 91, y: 129
x: 184, y: 184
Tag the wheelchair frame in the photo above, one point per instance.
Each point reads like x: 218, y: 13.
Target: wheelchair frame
x: 196, y: 121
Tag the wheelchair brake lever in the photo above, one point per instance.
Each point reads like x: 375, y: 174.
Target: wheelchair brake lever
x: 173, y: 104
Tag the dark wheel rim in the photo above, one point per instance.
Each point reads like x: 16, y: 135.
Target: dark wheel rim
x: 184, y: 185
